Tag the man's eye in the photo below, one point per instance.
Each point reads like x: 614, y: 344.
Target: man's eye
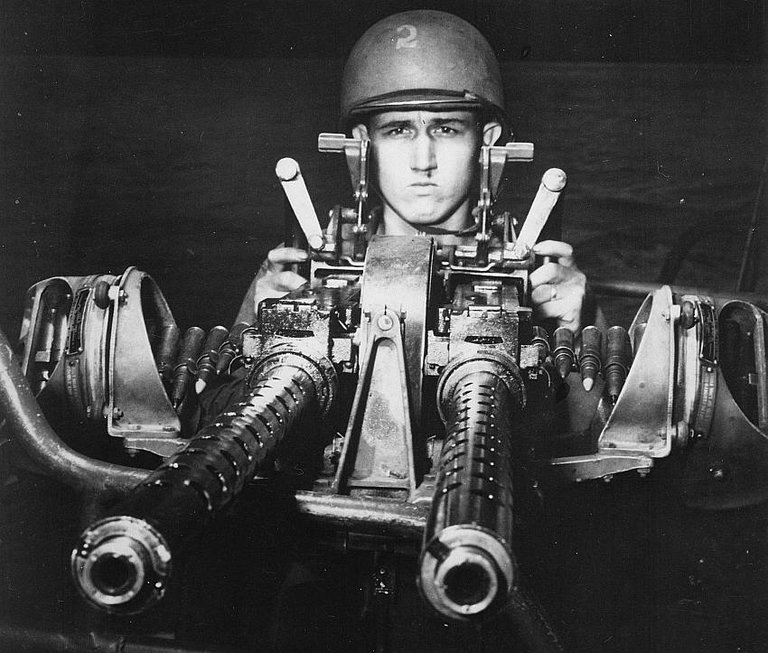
x: 396, y: 131
x: 445, y: 130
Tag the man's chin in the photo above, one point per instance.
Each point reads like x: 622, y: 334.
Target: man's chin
x: 424, y: 217
x: 424, y: 220
x: 427, y: 216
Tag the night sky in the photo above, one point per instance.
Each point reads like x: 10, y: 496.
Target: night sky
x: 562, y: 30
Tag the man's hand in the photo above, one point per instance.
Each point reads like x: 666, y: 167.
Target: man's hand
x: 273, y: 279
x: 559, y: 288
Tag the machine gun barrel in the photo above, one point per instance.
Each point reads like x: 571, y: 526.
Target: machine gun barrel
x: 122, y: 563
x: 466, y: 563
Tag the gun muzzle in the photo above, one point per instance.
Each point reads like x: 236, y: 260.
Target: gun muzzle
x: 121, y: 563
x: 466, y: 563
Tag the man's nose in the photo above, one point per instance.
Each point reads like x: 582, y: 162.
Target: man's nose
x: 423, y: 153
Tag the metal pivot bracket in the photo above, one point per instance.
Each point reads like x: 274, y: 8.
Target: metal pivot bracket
x: 642, y: 419
x: 138, y: 409
x: 499, y: 155
x: 641, y: 426
x: 493, y: 158
x: 356, y: 152
x: 383, y: 437
x: 378, y: 450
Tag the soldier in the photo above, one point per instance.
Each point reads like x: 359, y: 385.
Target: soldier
x: 425, y: 88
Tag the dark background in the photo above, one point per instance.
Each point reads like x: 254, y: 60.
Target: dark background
x: 542, y: 30
x: 145, y: 133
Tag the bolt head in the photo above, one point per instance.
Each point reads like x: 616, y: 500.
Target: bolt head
x: 385, y: 322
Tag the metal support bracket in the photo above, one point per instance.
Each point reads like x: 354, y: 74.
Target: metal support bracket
x: 380, y: 443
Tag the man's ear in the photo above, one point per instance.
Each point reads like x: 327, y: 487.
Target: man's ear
x: 492, y: 132
x: 360, y: 132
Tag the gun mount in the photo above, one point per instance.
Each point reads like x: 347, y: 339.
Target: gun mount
x: 416, y: 378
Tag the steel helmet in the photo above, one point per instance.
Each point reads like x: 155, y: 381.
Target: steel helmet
x: 421, y: 59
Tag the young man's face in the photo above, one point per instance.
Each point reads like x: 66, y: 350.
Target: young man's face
x: 425, y: 163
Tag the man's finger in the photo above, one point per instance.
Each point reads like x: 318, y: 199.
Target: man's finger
x: 281, y: 256
x: 276, y: 284
x: 565, y: 312
x: 287, y: 281
x: 550, y: 273
x: 555, y: 248
x: 545, y: 293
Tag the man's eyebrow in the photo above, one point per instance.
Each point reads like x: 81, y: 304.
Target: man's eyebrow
x: 445, y: 121
x: 438, y: 121
x: 391, y: 124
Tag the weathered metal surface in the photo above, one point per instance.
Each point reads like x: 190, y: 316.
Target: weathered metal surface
x: 31, y: 430
x: 380, y: 442
x: 641, y: 420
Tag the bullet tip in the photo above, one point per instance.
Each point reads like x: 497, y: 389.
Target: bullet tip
x: 588, y: 383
